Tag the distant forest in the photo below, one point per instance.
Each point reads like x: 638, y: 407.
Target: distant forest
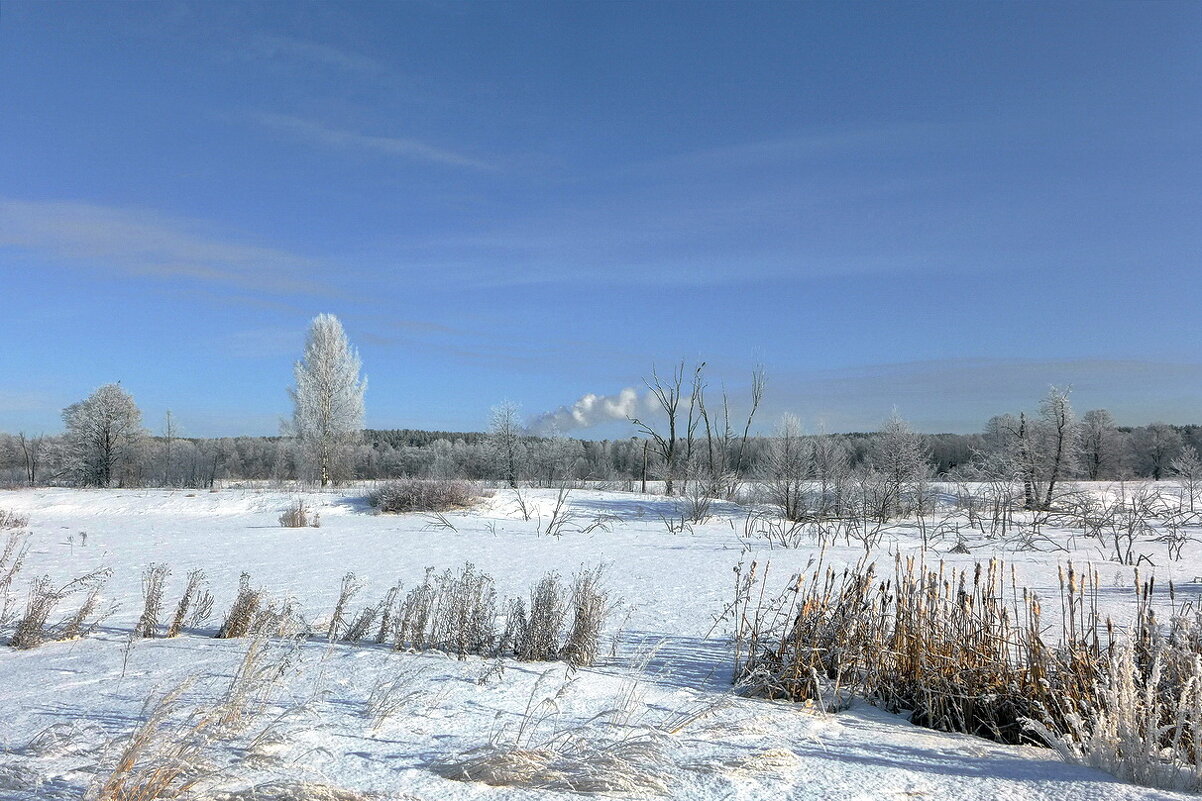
x: 1101, y: 451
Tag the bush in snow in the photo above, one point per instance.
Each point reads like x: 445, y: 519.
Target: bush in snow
x: 422, y: 495
x: 10, y: 519
x: 299, y: 516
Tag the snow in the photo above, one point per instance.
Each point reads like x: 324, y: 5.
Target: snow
x: 65, y: 702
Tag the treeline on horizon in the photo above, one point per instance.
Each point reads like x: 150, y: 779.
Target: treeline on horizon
x: 1106, y: 452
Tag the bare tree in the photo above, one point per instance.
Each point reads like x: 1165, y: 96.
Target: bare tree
x: 831, y: 468
x: 31, y: 453
x: 667, y: 393
x: 169, y: 434
x: 1043, y: 450
x: 104, y: 434
x: 327, y: 416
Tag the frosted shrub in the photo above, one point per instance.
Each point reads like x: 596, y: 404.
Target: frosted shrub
x: 423, y: 495
x: 299, y: 516
x: 10, y: 519
x: 1145, y: 724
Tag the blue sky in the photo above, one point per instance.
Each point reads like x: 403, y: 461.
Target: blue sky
x: 939, y: 207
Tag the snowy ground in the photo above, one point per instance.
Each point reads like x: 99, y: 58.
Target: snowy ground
x: 665, y: 685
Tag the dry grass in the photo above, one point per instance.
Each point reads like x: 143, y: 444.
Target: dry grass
x: 590, y: 607
x: 602, y: 756
x: 423, y: 495
x: 11, y: 519
x: 195, y: 605
x: 965, y: 651
x: 12, y: 559
x: 300, y: 516
x: 241, y: 617
x: 33, y: 628
x: 153, y: 578
x: 172, y: 753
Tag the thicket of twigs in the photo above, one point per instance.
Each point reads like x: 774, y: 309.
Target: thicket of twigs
x: 11, y: 519
x: 423, y: 495
x: 970, y: 651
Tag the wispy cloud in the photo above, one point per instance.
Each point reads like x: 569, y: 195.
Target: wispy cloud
x: 146, y: 243
x: 400, y: 147
x: 275, y: 47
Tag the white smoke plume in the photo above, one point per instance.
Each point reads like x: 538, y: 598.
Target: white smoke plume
x: 589, y: 411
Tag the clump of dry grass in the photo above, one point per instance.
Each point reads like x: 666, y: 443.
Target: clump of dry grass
x: 423, y: 495
x: 965, y: 650
x: 153, y: 578
x: 538, y: 634
x: 239, y: 619
x: 601, y: 756
x: 195, y: 605
x: 350, y: 588
x: 454, y: 611
x: 171, y: 753
x: 300, y: 516
x: 163, y: 757
x: 457, y: 612
x: 12, y: 559
x: 590, y: 606
x: 33, y: 628
x: 11, y: 519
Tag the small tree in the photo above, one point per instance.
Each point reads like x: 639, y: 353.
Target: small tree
x: 1187, y: 467
x: 831, y: 469
x: 1040, y: 451
x: 667, y: 393
x: 505, y: 432
x: 789, y: 468
x: 902, y: 460
x: 1155, y: 446
x: 1100, y: 445
x: 104, y: 435
x: 327, y: 416
x: 31, y: 455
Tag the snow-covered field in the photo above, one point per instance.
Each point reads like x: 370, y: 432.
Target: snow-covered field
x: 661, y: 689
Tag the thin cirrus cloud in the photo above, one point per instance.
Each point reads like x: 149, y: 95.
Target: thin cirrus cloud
x: 275, y: 47
x: 399, y: 147
x: 147, y: 244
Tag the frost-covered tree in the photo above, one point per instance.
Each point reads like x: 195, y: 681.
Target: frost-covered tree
x: 505, y: 433
x: 1153, y: 447
x: 1042, y: 451
x: 831, y: 468
x: 327, y: 417
x: 103, y: 437
x: 902, y: 460
x: 788, y: 469
x: 1187, y: 467
x: 1101, y: 445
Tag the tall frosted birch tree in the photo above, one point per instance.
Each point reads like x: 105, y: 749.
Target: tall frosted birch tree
x: 327, y: 417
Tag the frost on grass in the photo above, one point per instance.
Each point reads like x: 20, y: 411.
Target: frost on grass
x: 1145, y: 723
x: 177, y: 749
x: 423, y: 495
x: 600, y: 756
